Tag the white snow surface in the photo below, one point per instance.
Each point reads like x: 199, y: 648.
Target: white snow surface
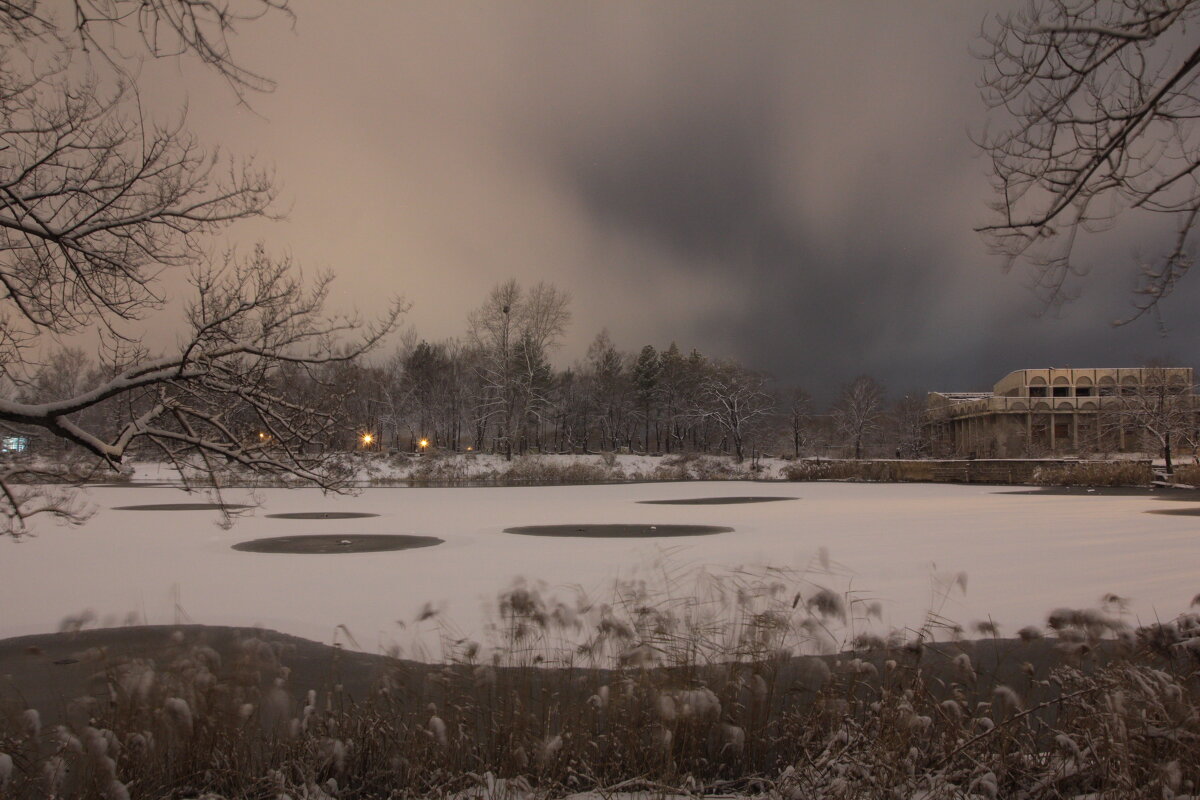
x: 1023, y: 554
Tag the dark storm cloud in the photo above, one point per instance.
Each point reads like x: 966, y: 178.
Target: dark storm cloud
x: 700, y: 182
x: 896, y: 284
x: 703, y: 184
x: 789, y: 184
x: 787, y: 179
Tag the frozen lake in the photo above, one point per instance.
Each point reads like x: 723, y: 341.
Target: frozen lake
x: 1024, y: 554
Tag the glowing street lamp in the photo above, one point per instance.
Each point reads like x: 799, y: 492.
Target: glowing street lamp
x: 367, y: 439
x: 424, y: 443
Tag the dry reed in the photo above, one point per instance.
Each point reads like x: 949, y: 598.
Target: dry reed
x: 696, y: 683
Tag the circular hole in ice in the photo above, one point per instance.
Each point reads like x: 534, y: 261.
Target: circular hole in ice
x: 322, y: 515
x: 182, y: 507
x: 714, y: 501
x: 324, y: 544
x: 618, y: 531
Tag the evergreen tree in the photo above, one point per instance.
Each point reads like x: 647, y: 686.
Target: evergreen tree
x: 608, y: 387
x: 672, y: 375
x: 645, y: 383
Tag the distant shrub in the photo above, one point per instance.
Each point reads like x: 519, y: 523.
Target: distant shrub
x: 670, y: 468
x: 709, y: 468
x: 534, y: 469
x: 698, y: 467
x: 1187, y: 473
x: 435, y: 470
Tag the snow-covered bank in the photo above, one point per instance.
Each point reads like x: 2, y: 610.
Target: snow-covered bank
x: 902, y: 545
x: 465, y: 468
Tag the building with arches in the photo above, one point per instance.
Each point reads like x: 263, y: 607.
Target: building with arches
x: 1052, y: 412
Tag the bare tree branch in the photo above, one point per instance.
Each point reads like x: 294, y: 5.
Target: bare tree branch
x: 96, y: 202
x: 1099, y: 99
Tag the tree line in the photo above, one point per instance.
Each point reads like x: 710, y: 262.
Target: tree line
x: 494, y: 390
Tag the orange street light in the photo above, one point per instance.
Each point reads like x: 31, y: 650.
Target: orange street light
x: 423, y: 443
x: 367, y: 439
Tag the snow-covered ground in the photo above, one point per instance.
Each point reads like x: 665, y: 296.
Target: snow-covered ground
x: 1024, y: 554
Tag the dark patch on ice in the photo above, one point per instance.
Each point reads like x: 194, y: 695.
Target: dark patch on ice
x: 1186, y: 495
x: 322, y: 515
x: 1177, y: 512
x: 134, y: 485
x: 618, y: 531
x: 324, y: 544
x: 1107, y: 491
x: 182, y: 507
x: 714, y: 501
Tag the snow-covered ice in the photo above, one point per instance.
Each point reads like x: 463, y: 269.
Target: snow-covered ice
x: 1025, y: 554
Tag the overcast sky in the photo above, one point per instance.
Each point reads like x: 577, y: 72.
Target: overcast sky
x: 789, y: 184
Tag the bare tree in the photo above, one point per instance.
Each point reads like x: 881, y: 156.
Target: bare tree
x: 906, y: 423
x: 514, y: 331
x: 739, y: 402
x: 799, y: 418
x: 393, y: 391
x: 1099, y: 99
x: 570, y: 404
x: 436, y: 376
x: 95, y: 203
x: 536, y: 380
x: 1161, y: 408
x: 62, y: 373
x: 859, y: 411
